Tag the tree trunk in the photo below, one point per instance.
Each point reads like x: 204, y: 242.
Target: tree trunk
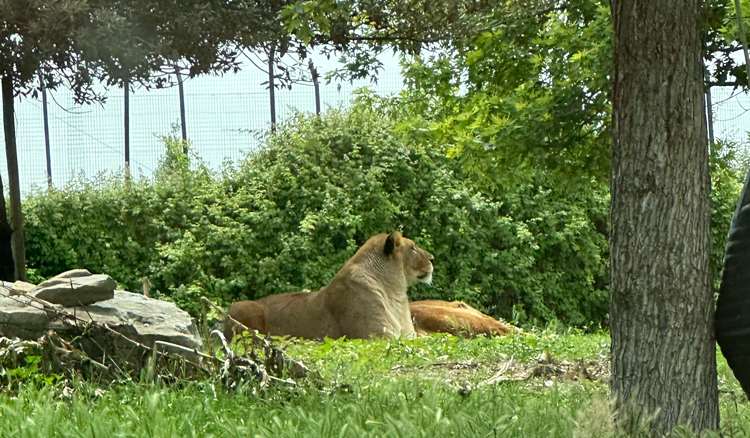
x: 16, y: 216
x: 661, y: 313
x: 7, y: 269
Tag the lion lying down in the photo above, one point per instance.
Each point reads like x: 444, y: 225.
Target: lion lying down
x: 366, y: 298
x: 456, y: 318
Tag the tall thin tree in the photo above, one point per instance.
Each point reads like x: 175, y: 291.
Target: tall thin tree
x: 18, y: 244
x: 45, y: 116
x: 183, y: 121
x: 272, y: 87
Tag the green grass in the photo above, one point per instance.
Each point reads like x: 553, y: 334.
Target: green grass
x: 398, y: 408
x: 358, y: 360
x: 367, y: 398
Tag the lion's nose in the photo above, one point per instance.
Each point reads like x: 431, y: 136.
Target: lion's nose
x: 432, y: 261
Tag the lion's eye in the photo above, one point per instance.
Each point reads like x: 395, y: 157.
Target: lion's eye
x: 413, y: 248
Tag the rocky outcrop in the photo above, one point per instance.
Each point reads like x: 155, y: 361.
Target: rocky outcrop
x: 61, y: 278
x: 143, y: 319
x: 19, y: 317
x: 17, y: 288
x: 92, y: 297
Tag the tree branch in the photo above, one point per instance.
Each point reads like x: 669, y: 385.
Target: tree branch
x: 725, y: 84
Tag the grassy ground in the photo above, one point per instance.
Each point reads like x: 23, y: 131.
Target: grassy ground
x: 434, y: 387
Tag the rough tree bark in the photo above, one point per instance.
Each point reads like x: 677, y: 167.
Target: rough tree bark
x: 16, y: 217
x: 661, y: 309
x: 7, y: 269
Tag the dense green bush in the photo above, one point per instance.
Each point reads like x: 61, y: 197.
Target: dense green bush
x: 288, y: 217
x: 113, y: 224
x: 105, y: 225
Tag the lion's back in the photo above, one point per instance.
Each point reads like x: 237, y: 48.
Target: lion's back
x: 456, y: 318
x: 298, y: 314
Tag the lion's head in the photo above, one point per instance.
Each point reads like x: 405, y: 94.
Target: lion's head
x: 417, y: 263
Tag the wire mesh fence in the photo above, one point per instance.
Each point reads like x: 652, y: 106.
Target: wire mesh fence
x: 222, y: 115
x: 731, y: 114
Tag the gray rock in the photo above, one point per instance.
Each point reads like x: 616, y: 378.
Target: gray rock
x: 143, y: 319
x: 63, y: 278
x: 17, y: 288
x: 139, y: 318
x: 19, y: 318
x: 75, y: 291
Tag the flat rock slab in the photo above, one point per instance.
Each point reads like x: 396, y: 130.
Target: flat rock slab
x: 18, y: 288
x: 77, y: 290
x: 62, y: 278
x: 19, y: 318
x: 143, y: 319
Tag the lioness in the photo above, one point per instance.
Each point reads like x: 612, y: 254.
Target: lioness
x: 456, y: 318
x: 366, y: 298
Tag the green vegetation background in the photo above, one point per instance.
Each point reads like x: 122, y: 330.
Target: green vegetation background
x: 288, y: 217
x: 495, y: 158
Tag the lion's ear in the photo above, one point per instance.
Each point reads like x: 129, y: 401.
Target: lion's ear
x: 390, y: 243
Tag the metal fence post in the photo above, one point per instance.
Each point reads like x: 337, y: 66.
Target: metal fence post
x: 126, y: 88
x: 181, y: 90
x: 271, y: 88
x: 46, y: 130
x: 316, y: 85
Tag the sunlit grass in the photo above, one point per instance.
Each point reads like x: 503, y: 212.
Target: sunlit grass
x: 354, y: 359
x: 365, y: 398
x: 410, y: 407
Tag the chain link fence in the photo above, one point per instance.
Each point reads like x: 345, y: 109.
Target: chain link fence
x: 731, y: 114
x: 222, y: 114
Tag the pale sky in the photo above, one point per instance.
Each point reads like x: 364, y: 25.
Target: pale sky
x: 219, y: 112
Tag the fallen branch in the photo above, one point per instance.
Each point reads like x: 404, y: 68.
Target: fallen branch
x: 276, y: 358
x: 499, y: 376
x: 189, y: 353
x: 238, y: 369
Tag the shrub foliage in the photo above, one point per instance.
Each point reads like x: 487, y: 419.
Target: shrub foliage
x: 288, y: 217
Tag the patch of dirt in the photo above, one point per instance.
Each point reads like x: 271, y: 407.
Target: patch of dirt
x: 543, y: 370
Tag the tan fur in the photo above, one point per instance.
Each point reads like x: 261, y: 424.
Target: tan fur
x: 366, y: 298
x: 456, y: 318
